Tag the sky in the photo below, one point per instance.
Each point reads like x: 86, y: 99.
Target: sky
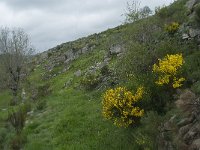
x: 52, y: 22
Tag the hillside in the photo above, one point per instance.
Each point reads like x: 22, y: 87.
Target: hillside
x: 64, y: 90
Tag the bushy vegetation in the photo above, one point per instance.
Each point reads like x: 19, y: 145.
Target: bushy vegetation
x: 138, y: 88
x: 172, y: 28
x: 120, y: 106
x: 168, y: 70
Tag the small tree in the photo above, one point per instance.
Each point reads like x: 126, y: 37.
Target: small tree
x: 15, y: 49
x: 134, y: 12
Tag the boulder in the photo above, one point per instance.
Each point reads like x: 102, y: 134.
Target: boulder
x: 185, y: 36
x: 78, y: 73
x: 195, y: 145
x: 116, y: 49
x: 194, y: 32
x: 190, y: 4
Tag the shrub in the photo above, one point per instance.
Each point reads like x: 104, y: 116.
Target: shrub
x: 18, y: 141
x: 168, y: 70
x: 120, y: 106
x: 41, y: 104
x: 135, y: 61
x: 172, y: 28
x: 17, y: 119
x: 105, y: 70
x: 197, y: 13
x: 91, y: 80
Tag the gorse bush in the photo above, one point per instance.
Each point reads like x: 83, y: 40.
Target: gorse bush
x: 168, y: 70
x: 172, y: 28
x: 120, y: 106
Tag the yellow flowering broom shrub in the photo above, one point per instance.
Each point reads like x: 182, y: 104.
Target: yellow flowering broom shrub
x: 172, y: 28
x: 168, y: 70
x: 119, y: 105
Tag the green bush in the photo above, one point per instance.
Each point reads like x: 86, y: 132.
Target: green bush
x: 176, y: 11
x: 17, y: 119
x: 91, y: 80
x: 105, y: 70
x: 18, y: 141
x: 40, y: 104
x: 136, y: 61
x: 3, y: 133
x: 197, y: 13
x: 192, y: 67
x: 172, y: 28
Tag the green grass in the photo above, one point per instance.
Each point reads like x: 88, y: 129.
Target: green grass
x: 72, y: 117
x: 73, y: 120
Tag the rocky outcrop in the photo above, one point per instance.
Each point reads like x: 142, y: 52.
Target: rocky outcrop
x: 182, y: 133
x: 190, y: 30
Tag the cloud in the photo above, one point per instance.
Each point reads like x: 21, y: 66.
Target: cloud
x: 52, y: 22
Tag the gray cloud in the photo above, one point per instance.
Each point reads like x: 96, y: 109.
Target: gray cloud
x: 52, y: 22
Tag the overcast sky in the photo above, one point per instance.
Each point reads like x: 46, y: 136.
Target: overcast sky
x: 52, y: 22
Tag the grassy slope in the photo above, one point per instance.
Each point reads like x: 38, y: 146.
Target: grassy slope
x: 72, y: 118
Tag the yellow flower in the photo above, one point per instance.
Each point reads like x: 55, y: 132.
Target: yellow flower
x: 168, y: 70
x: 172, y: 28
x: 119, y: 106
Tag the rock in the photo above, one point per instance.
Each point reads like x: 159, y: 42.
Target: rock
x: 183, y: 130
x: 68, y: 83
x: 78, y: 73
x: 107, y: 59
x: 185, y: 100
x: 84, y: 49
x: 114, y: 50
x: 192, y: 134
x: 30, y: 113
x: 69, y: 55
x: 185, y: 121
x: 194, y: 32
x: 190, y: 4
x: 195, y: 145
x: 23, y: 95
x: 185, y: 36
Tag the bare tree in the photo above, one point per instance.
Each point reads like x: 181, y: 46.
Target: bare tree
x: 134, y: 12
x: 15, y: 49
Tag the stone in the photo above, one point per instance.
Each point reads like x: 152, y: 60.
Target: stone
x: 68, y: 83
x: 190, y: 4
x: 185, y: 121
x: 78, y: 73
x: 185, y: 36
x: 84, y: 50
x: 192, y: 133
x: 183, y: 130
x: 194, y: 32
x: 69, y: 55
x: 195, y: 145
x: 114, y: 50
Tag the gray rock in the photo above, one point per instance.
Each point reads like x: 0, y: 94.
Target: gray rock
x: 114, y: 50
x: 185, y: 36
x: 185, y: 121
x: 84, y: 50
x: 195, y: 145
x: 190, y: 4
x: 183, y: 130
x: 68, y: 83
x: 194, y: 32
x: 78, y: 73
x: 192, y: 133
x: 69, y: 55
